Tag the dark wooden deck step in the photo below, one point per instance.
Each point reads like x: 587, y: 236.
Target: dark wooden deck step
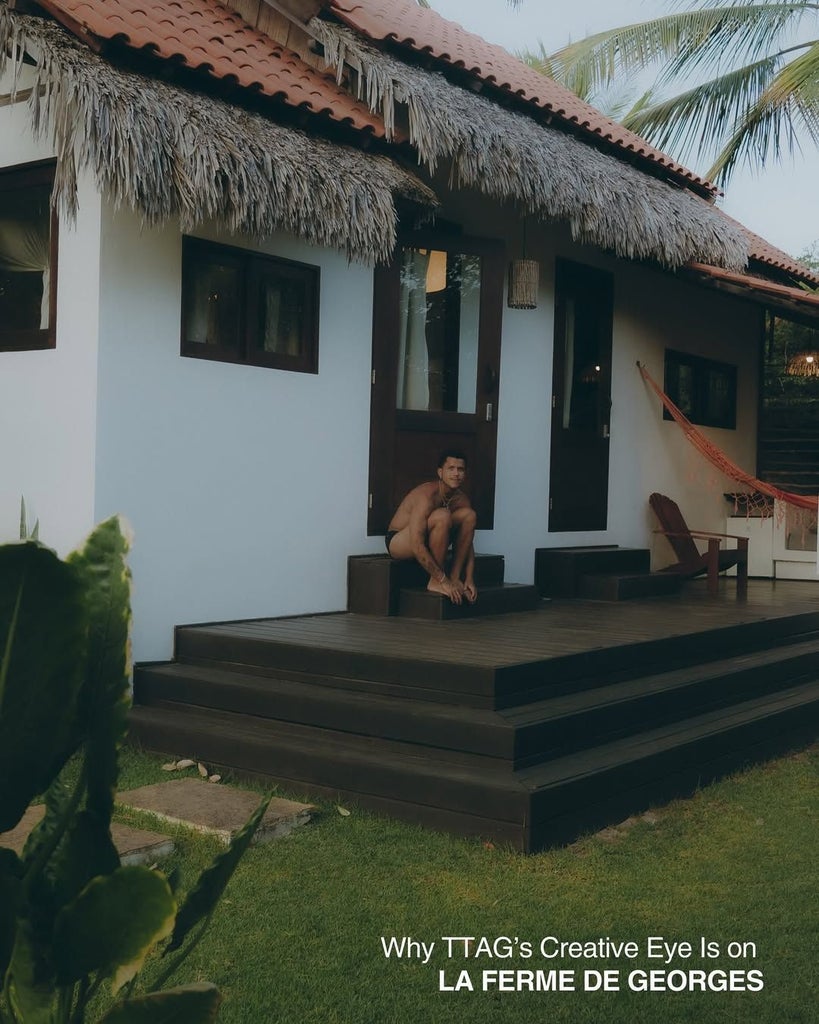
x: 405, y: 657
x: 539, y: 802
x: 375, y: 581
x: 350, y: 764
x: 561, y: 783
x: 532, y: 732
x: 558, y: 571
x: 624, y: 587
x: 415, y: 603
x: 471, y: 730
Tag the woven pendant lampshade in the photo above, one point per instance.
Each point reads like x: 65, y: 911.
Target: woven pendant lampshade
x: 803, y: 364
x: 524, y: 277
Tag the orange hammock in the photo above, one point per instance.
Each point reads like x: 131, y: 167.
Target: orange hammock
x: 719, y: 459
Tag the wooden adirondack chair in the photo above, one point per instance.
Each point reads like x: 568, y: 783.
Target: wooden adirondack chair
x: 692, y: 562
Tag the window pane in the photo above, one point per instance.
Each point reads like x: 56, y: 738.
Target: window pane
x: 583, y: 365
x: 283, y: 311
x: 25, y: 245
x: 439, y: 318
x: 212, y: 303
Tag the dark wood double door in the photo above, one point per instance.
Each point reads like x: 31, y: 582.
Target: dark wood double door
x: 436, y: 368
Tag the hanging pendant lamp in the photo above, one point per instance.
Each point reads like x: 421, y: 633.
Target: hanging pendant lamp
x: 524, y: 280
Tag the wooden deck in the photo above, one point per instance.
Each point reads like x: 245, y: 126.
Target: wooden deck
x: 528, y: 727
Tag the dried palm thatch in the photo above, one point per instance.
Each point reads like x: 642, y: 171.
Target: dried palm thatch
x: 551, y: 175
x: 168, y: 153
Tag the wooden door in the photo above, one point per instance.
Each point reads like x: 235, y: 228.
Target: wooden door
x: 436, y: 367
x: 581, y: 399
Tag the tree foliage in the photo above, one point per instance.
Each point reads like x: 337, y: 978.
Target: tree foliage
x: 739, y: 79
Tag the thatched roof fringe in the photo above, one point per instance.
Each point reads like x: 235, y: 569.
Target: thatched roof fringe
x: 607, y: 202
x: 168, y: 153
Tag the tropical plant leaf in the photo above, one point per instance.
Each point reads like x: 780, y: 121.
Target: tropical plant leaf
x: 86, y: 851
x: 11, y: 873
x: 204, y: 896
x: 42, y: 649
x: 105, y: 697
x: 188, y: 1004
x: 112, y: 925
x: 30, y: 980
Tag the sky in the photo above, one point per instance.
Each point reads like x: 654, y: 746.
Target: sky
x: 780, y: 203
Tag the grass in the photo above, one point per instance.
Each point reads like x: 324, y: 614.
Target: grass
x: 297, y: 938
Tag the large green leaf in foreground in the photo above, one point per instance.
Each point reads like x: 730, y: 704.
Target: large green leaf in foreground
x: 42, y: 649
x: 189, y: 1004
x: 112, y: 925
x: 105, y: 696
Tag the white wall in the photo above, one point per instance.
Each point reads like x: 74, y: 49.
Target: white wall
x: 653, y: 311
x: 246, y: 486
x: 48, y: 398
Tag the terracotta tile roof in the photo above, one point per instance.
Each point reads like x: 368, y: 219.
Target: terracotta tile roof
x: 405, y: 23
x: 779, y: 296
x: 764, y: 252
x: 206, y: 36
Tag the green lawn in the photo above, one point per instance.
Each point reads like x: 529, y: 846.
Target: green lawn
x: 297, y: 938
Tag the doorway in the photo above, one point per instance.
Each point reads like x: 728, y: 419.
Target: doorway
x: 581, y: 399
x: 436, y: 366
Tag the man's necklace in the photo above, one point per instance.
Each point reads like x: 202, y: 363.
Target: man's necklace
x: 446, y: 502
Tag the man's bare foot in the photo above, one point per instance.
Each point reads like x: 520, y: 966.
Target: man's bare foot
x: 445, y: 587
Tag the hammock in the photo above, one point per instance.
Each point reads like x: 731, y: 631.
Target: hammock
x: 719, y: 459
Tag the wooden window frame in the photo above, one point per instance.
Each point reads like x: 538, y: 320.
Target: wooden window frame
x: 22, y: 176
x: 250, y: 265
x: 700, y: 369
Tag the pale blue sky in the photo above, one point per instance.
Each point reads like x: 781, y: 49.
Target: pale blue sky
x: 780, y: 205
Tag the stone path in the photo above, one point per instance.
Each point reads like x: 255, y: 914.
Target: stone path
x: 208, y: 808
x: 217, y: 810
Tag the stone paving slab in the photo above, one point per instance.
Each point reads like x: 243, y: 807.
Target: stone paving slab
x: 134, y: 845
x: 213, y: 809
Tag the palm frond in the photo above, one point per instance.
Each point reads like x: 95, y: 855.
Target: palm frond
x: 768, y: 126
x: 699, y: 39
x: 700, y: 119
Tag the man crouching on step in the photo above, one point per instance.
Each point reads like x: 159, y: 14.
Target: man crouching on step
x: 430, y: 518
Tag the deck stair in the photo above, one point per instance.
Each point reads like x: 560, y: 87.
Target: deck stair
x: 378, y: 585
x: 509, y: 728
x: 604, y: 573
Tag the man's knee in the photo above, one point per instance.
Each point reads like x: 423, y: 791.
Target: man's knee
x: 465, y: 517
x: 440, y: 519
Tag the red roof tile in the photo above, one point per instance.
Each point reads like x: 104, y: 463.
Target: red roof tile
x: 417, y: 28
x: 206, y: 36
x: 780, y: 295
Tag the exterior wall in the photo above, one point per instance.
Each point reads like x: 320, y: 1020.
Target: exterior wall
x: 246, y: 487
x: 652, y: 311
x: 48, y: 398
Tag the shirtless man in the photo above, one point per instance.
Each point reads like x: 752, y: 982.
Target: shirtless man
x: 432, y: 516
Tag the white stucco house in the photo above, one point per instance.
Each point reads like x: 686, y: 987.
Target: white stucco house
x: 217, y: 332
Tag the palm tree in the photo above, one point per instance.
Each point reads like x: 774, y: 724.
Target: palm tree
x: 755, y: 88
